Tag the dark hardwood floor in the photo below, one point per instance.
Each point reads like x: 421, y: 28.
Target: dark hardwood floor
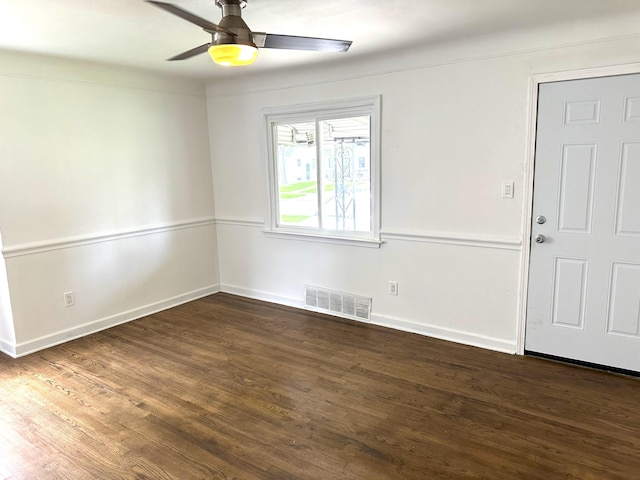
x: 226, y: 388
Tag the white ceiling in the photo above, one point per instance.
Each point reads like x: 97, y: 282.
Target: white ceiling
x: 134, y: 33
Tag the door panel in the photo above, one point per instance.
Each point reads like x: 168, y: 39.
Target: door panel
x: 576, y: 188
x: 584, y: 277
x: 569, y: 292
x: 624, y: 304
x: 632, y: 109
x: 628, y: 218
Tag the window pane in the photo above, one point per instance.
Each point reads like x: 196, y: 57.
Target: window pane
x: 324, y: 171
x: 346, y: 174
x: 297, y: 174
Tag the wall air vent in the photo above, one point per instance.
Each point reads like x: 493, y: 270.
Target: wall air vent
x: 336, y: 303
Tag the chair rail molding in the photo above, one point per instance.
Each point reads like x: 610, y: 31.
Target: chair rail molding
x: 502, y: 242
x: 32, y: 248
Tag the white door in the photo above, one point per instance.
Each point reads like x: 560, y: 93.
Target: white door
x: 584, y: 279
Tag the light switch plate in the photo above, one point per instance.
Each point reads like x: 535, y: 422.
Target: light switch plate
x: 507, y: 189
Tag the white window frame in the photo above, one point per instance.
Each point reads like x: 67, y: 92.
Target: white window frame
x: 363, y: 106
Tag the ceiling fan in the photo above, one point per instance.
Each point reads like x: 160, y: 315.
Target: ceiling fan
x: 233, y: 43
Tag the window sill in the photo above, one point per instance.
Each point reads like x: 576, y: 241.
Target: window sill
x: 310, y: 237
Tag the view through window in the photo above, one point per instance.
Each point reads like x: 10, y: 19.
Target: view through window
x: 324, y: 174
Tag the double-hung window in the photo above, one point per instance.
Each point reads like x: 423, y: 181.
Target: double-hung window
x: 324, y: 170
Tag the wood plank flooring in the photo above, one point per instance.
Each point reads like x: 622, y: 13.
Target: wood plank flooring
x: 230, y: 388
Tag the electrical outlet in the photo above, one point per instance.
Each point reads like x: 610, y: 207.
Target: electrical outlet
x: 69, y: 300
x: 393, y: 288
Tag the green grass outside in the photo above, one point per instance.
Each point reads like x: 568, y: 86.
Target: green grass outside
x: 294, y: 187
x: 293, y: 218
x: 301, y: 188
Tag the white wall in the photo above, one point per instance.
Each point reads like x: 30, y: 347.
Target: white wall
x: 7, y: 332
x: 105, y: 190
x: 455, y: 124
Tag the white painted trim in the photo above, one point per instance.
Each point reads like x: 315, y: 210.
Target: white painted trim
x: 261, y: 295
x: 527, y: 215
x: 385, y: 321
x: 534, y: 83
x: 596, y: 72
x: 309, y: 237
x: 449, y: 238
x: 501, y: 242
x: 240, y: 222
x: 7, y: 348
x: 456, y: 336
x: 63, y: 336
x: 368, y: 105
x: 323, y: 109
x: 71, y: 242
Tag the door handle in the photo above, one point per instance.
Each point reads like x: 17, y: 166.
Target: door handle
x: 540, y: 238
x: 540, y: 219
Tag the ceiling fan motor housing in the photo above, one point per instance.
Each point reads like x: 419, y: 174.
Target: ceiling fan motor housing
x: 232, y: 20
x: 229, y: 4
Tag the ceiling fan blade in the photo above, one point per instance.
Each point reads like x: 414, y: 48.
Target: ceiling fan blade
x: 191, y: 53
x: 190, y: 17
x: 291, y: 42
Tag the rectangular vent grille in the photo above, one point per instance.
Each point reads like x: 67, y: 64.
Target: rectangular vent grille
x: 337, y: 303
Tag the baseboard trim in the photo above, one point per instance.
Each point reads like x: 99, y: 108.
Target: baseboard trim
x: 456, y: 336
x: 7, y: 348
x: 32, y: 346
x: 261, y: 295
x: 450, y: 335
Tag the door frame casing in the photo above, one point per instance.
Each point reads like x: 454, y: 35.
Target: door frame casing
x: 527, y: 195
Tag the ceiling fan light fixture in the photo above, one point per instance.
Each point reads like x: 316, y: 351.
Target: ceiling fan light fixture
x: 233, y: 54
x: 234, y: 44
